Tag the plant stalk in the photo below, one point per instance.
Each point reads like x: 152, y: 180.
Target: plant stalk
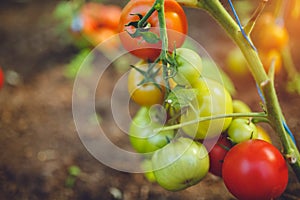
x: 266, y: 85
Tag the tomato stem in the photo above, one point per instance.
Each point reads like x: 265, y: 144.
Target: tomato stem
x: 260, y: 116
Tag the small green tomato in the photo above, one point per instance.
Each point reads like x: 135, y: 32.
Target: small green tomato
x: 242, y: 129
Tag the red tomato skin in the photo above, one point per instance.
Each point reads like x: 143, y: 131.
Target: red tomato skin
x: 1, y: 78
x: 217, y: 154
x: 255, y: 169
x: 176, y: 23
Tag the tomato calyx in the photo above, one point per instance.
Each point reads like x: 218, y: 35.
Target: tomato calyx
x: 142, y: 29
x: 149, y: 75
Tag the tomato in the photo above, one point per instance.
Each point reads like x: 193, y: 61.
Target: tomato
x: 255, y: 169
x: 1, y: 78
x: 189, y: 66
x: 180, y: 164
x: 242, y: 129
x: 95, y: 15
x: 212, y: 99
x: 263, y: 135
x: 267, y: 59
x: 236, y: 63
x: 240, y: 107
x: 268, y: 35
x: 176, y: 23
x: 148, y: 93
x: 217, y: 154
x: 100, y: 35
x: 148, y: 171
x: 142, y: 136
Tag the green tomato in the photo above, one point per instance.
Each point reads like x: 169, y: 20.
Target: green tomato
x: 240, y: 107
x: 237, y: 63
x: 142, y: 136
x: 148, y: 171
x: 242, y: 129
x: 189, y: 66
x: 180, y: 164
x: 212, y: 99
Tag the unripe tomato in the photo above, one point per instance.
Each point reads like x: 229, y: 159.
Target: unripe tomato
x: 242, y: 129
x: 142, y: 136
x: 1, y: 78
x: 212, y: 99
x: 180, y: 164
x: 176, y: 23
x: 263, y: 135
x: 148, y: 171
x: 255, y: 169
x: 236, y: 63
x: 146, y: 94
x: 240, y: 107
x: 189, y: 66
x: 267, y: 59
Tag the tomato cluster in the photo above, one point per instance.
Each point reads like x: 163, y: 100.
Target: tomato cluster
x: 270, y: 38
x: 97, y: 22
x: 182, y: 139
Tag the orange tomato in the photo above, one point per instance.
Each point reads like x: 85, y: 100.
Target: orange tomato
x: 267, y: 59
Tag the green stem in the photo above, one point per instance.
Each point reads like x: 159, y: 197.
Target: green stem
x: 260, y: 116
x: 146, y: 17
x: 275, y: 116
x: 159, y: 4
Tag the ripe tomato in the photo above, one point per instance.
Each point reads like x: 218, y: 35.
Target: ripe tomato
x: 267, y: 58
x: 268, y: 35
x: 146, y: 94
x: 217, y: 154
x: 1, y: 78
x: 212, y: 99
x: 141, y: 134
x: 255, y: 169
x: 189, y: 66
x: 242, y: 129
x: 95, y: 15
x: 100, y: 35
x: 176, y: 23
x: 180, y: 164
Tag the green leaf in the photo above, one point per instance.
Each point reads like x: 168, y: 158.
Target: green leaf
x: 75, y: 64
x: 181, y: 97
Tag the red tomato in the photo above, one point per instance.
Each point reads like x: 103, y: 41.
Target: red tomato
x: 217, y: 154
x: 176, y: 23
x: 96, y: 15
x: 1, y: 78
x: 255, y: 169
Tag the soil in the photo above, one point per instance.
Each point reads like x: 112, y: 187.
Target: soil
x: 38, y: 138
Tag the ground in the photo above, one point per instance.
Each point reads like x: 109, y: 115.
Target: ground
x: 38, y: 139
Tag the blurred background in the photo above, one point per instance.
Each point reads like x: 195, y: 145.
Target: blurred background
x: 42, y: 157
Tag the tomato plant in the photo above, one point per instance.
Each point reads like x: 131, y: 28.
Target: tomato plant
x: 255, y: 169
x: 146, y: 91
x: 176, y: 24
x: 180, y: 164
